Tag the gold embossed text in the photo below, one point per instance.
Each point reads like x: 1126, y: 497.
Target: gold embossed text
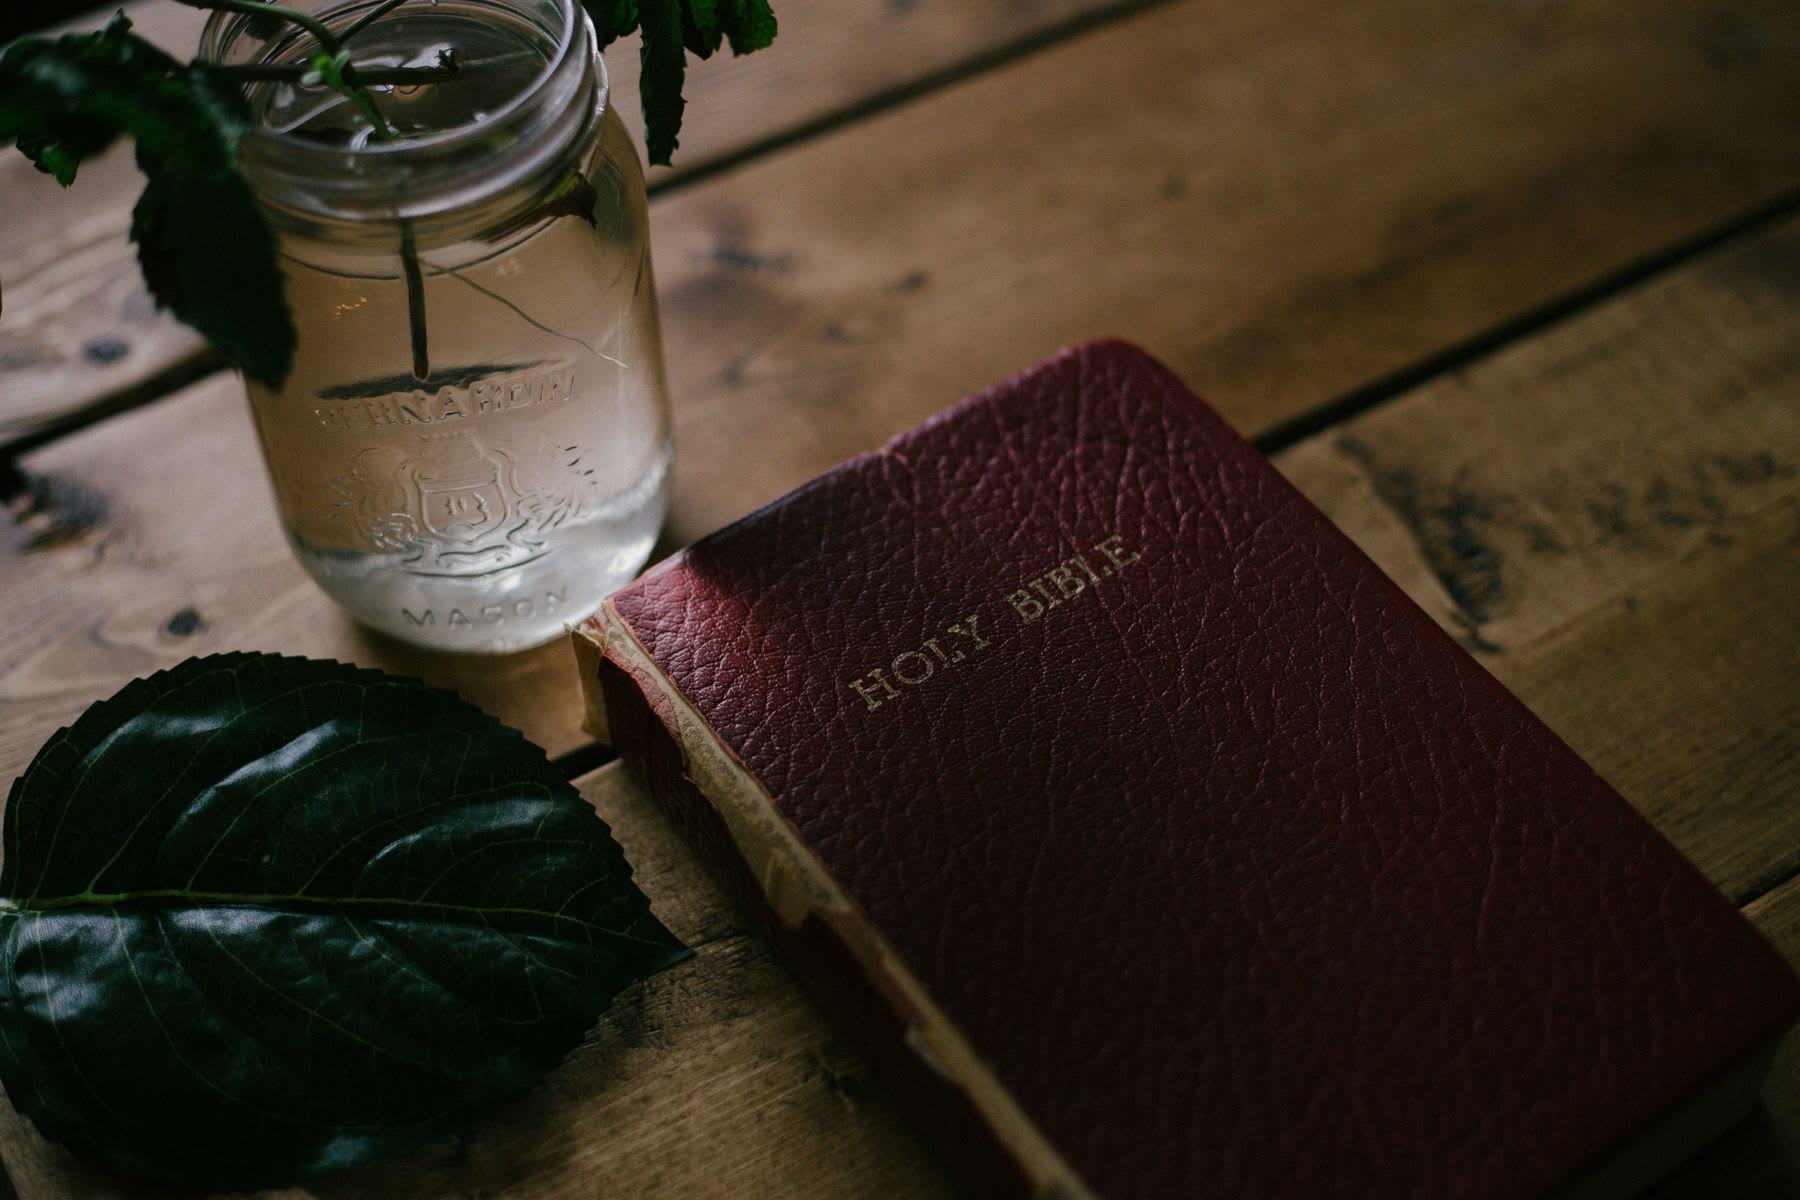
x: 1069, y: 578
x: 911, y: 668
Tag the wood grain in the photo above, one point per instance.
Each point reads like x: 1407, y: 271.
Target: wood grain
x: 1290, y: 200
x: 80, y: 334
x: 1514, y: 501
x: 152, y: 537
x: 78, y: 328
x: 1607, y: 512
x: 827, y: 296
x: 716, y: 1079
x: 1286, y: 201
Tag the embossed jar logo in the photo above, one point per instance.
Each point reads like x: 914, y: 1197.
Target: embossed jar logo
x: 460, y: 491
x: 458, y: 507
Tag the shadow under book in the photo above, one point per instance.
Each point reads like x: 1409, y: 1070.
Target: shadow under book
x: 1151, y: 842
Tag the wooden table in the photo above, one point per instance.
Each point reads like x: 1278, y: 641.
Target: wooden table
x: 1511, y: 289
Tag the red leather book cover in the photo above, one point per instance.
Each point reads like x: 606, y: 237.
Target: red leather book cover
x: 1153, y: 844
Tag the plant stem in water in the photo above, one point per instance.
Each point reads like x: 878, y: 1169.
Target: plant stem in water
x: 415, y: 301
x: 328, y: 40
x: 409, y: 249
x: 355, y: 87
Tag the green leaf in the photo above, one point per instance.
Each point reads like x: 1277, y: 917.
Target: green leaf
x: 208, y: 255
x: 206, y: 250
x: 671, y: 27
x: 700, y: 31
x: 263, y: 917
x: 52, y: 155
x: 613, y: 19
x: 748, y: 24
x: 663, y: 70
x: 221, y: 100
x: 69, y: 99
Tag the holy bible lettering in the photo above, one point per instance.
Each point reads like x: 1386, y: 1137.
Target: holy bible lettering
x: 914, y: 667
x: 1213, y: 866
x: 1061, y: 583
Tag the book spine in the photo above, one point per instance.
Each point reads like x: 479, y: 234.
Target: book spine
x: 821, y: 953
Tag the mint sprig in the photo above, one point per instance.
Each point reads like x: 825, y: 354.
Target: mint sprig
x: 206, y: 251
x: 673, y: 29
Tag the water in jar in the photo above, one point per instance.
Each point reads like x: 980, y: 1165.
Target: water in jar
x: 502, y: 496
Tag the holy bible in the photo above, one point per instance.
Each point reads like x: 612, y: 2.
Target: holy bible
x: 1151, y: 843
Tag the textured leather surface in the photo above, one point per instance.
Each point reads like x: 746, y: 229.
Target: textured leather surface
x: 1245, y: 878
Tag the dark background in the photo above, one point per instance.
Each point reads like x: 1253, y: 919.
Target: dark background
x: 23, y: 16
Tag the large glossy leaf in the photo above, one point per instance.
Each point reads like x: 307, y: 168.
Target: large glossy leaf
x: 267, y: 916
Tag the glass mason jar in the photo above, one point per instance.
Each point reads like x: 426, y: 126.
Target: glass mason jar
x: 471, y: 457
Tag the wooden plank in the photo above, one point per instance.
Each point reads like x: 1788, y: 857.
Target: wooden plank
x: 813, y: 355
x: 151, y: 536
x: 80, y: 330
x: 78, y: 327
x: 1289, y: 200
x: 1285, y: 201
x: 1653, y: 629
x: 1606, y: 513
x: 717, y: 1079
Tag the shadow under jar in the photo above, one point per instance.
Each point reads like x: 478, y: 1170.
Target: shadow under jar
x: 472, y: 457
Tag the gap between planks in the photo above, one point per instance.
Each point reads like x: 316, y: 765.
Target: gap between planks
x: 1290, y: 201
x: 1334, y: 411
x: 1342, y: 415
x: 1699, y: 354
x: 27, y: 493
x: 1082, y: 16
x: 1532, y: 321
x: 879, y: 102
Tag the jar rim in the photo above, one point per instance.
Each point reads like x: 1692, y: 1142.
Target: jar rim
x: 426, y: 174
